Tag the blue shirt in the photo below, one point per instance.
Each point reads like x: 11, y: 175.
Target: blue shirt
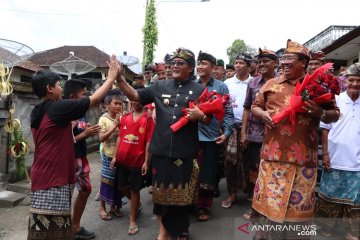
x: 213, y: 129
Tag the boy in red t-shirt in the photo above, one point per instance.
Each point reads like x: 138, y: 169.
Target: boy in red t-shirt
x: 131, y: 157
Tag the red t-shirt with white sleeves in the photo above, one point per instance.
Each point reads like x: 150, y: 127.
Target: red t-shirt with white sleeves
x: 133, y: 138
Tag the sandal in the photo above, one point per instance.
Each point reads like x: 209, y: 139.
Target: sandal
x: 326, y: 232
x: 349, y: 236
x: 247, y: 215
x: 227, y: 203
x: 133, y: 230
x: 105, y: 217
x: 116, y: 212
x: 203, y: 215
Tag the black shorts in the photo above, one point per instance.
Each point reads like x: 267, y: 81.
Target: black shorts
x: 129, y: 177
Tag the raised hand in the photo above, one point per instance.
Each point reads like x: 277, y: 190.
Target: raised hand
x: 114, y: 67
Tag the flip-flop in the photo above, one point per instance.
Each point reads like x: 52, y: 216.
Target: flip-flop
x: 105, y: 217
x: 133, y: 230
x: 203, y: 215
x: 227, y: 203
x: 247, y: 215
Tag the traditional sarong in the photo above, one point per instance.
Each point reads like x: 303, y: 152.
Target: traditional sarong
x: 330, y: 215
x: 174, y: 181
x: 251, y: 165
x: 234, y: 168
x: 108, y: 191
x: 175, y: 189
x: 339, y: 200
x: 340, y: 186
x: 285, y: 191
x: 50, y: 214
x: 252, y: 158
x: 208, y: 163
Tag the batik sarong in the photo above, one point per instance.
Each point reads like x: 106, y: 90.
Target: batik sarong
x: 285, y: 191
x: 339, y: 200
x: 50, y: 214
x: 108, y: 191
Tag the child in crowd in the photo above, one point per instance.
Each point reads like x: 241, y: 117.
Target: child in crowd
x: 132, y: 156
x: 109, y: 124
x: 53, y: 169
x: 76, y: 89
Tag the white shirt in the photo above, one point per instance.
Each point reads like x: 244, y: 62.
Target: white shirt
x: 237, y: 90
x: 344, y: 135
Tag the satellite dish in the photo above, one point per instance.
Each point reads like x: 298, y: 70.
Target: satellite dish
x: 12, y: 53
x: 128, y: 60
x: 72, y: 65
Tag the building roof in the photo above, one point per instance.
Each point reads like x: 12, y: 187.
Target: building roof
x: 327, y: 37
x: 87, y: 53
x: 27, y: 65
x: 345, y: 47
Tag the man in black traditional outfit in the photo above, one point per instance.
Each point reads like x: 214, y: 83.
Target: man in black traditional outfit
x: 175, y: 170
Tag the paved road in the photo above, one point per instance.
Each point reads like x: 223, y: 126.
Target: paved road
x: 223, y: 223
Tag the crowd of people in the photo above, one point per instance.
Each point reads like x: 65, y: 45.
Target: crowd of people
x: 276, y: 165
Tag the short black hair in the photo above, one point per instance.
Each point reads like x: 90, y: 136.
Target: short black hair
x: 73, y: 86
x: 41, y: 79
x: 113, y: 94
x: 302, y: 57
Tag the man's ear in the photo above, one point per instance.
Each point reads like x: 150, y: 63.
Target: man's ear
x: 192, y: 69
x: 49, y: 89
x: 304, y: 61
x: 71, y: 96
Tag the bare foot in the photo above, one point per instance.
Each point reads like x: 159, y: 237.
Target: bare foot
x: 349, y: 236
x: 104, y: 216
x: 163, y: 236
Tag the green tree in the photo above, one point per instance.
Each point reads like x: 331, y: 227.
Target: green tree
x: 239, y: 46
x: 150, y: 31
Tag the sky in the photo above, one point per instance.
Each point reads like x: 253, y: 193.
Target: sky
x: 115, y: 26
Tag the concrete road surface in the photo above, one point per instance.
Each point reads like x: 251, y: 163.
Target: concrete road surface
x: 224, y: 224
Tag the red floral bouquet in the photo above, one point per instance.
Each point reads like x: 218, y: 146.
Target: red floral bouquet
x: 210, y: 103
x: 319, y: 87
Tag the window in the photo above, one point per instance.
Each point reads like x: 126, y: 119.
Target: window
x: 25, y: 79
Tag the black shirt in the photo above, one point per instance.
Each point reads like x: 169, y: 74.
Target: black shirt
x: 80, y: 146
x: 170, y: 97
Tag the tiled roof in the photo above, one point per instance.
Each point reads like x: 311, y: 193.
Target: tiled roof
x: 29, y: 66
x: 8, y: 56
x: 87, y: 53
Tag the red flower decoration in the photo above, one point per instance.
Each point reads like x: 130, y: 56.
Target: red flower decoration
x: 319, y: 87
x: 210, y: 103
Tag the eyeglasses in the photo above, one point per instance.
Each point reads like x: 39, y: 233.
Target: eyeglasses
x: 288, y: 59
x: 177, y: 63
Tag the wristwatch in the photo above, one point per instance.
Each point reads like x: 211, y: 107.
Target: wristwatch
x: 323, y: 115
